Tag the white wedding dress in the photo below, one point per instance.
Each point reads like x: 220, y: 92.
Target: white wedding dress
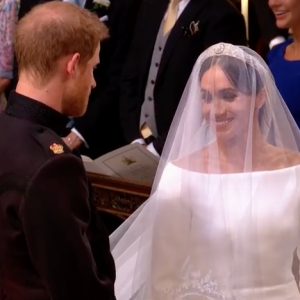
x: 214, y: 227
x: 275, y: 211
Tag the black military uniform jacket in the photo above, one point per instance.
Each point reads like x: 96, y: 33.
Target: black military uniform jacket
x: 52, y: 244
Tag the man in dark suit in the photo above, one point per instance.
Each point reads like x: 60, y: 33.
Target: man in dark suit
x: 168, y: 40
x: 52, y: 243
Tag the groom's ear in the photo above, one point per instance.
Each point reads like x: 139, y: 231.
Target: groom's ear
x: 261, y: 99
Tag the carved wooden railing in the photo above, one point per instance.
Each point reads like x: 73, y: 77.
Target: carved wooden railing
x: 118, y: 196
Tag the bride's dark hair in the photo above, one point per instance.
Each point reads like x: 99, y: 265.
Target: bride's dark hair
x: 243, y: 76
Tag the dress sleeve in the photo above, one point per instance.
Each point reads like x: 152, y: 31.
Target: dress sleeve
x: 171, y: 235
x: 8, y: 20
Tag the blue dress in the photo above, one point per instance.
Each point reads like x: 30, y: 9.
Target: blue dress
x: 287, y: 77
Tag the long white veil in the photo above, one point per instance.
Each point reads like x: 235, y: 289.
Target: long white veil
x: 198, y: 235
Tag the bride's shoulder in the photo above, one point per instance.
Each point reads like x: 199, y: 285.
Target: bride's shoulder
x: 293, y: 158
x: 194, y: 162
x: 284, y: 157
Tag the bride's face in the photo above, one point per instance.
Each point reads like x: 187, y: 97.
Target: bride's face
x: 224, y: 108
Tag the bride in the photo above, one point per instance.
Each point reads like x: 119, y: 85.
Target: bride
x: 223, y: 218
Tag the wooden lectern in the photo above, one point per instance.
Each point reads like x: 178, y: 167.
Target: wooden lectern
x: 118, y: 196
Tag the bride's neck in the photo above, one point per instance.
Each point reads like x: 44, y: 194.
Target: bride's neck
x: 241, y: 150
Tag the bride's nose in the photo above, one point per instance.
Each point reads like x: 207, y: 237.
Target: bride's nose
x: 219, y: 108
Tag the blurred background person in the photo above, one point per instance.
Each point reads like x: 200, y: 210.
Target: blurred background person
x: 284, y: 59
x: 8, y: 19
x: 271, y: 35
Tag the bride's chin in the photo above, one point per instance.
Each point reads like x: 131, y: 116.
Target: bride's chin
x: 224, y: 135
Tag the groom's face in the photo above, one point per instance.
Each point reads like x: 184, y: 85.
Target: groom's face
x: 79, y: 85
x: 224, y: 108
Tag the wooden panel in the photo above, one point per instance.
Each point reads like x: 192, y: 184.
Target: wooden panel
x: 118, y: 196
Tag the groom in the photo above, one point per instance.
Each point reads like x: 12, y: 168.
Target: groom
x: 52, y: 243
